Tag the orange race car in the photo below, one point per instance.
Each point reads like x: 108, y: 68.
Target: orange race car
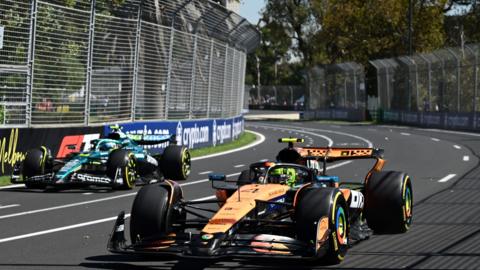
x: 288, y: 208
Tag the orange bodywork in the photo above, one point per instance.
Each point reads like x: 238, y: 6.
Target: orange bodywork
x: 234, y: 209
x: 376, y: 168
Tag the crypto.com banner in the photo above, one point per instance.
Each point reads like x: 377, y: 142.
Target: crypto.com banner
x: 190, y: 133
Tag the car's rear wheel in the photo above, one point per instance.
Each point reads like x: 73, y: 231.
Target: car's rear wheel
x: 321, y: 217
x: 153, y: 212
x: 37, y: 162
x: 175, y: 162
x: 121, y: 164
x: 389, y: 202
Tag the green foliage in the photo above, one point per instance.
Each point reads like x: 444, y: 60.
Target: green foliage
x: 298, y: 34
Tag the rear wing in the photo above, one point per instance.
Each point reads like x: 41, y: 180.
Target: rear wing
x: 338, y: 153
x: 116, y: 133
x: 151, y: 139
x: 333, y: 153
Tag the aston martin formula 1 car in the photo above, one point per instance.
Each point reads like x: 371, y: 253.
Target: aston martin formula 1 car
x: 117, y: 161
x: 275, y: 209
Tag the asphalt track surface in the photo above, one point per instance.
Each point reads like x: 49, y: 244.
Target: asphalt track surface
x: 70, y: 229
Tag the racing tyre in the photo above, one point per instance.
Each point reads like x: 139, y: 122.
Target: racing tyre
x: 389, y: 202
x: 36, y: 162
x: 152, y: 213
x: 121, y: 163
x: 175, y: 163
x: 321, y: 218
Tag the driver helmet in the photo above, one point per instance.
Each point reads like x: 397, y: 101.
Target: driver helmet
x: 106, y: 146
x: 282, y: 175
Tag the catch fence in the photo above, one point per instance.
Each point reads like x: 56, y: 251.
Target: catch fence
x: 95, y: 62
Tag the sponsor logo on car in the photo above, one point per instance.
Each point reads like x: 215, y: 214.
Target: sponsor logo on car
x: 91, y: 178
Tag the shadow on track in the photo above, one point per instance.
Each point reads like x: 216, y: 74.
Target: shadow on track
x: 135, y: 262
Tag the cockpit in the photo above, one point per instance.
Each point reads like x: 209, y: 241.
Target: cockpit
x: 287, y: 174
x: 104, y: 145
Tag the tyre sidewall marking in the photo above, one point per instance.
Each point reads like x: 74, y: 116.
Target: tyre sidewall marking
x: 406, y: 216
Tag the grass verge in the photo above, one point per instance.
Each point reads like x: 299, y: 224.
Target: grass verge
x: 244, y: 139
x: 4, y: 180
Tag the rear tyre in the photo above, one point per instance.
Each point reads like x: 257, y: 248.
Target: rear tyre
x: 36, y: 162
x: 315, y: 204
x: 152, y: 213
x: 389, y: 202
x: 121, y: 163
x: 176, y: 163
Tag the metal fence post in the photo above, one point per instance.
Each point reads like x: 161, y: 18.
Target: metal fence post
x: 136, y: 61
x: 169, y: 70
x: 88, y: 82
x: 475, y: 85
x: 194, y: 69
x: 355, y: 87
x: 475, y: 90
x: 170, y: 55
x: 31, y: 60
x: 209, y: 93
x: 458, y: 78
x: 224, y: 80
x: 388, y: 87
x: 232, y: 88
x: 429, y: 67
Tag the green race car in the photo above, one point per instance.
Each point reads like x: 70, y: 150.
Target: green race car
x: 117, y: 161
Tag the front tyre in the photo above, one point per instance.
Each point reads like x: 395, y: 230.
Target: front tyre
x: 176, y: 162
x: 37, y: 162
x: 153, y: 212
x: 121, y: 164
x: 321, y: 216
x: 389, y: 202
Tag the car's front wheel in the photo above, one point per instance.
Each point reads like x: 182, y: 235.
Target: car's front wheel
x: 321, y: 217
x: 153, y: 212
x: 37, y: 162
x: 121, y: 165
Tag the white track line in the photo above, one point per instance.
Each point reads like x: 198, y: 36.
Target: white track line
x: 255, y: 143
x: 59, y: 229
x: 369, y: 143
x: 8, y: 206
x: 93, y: 222
x: 457, y: 146
x: 74, y: 226
x: 466, y: 158
x: 239, y: 166
x: 435, y: 139
x: 206, y: 172
x: 446, y: 178
x: 12, y: 186
x: 66, y: 206
x: 405, y: 134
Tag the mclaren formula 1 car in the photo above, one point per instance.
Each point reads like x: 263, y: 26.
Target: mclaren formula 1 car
x: 117, y: 161
x: 276, y: 209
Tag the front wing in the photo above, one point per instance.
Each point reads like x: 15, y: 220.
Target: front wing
x: 191, y: 245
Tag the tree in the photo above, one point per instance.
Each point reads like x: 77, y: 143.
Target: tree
x: 360, y: 30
